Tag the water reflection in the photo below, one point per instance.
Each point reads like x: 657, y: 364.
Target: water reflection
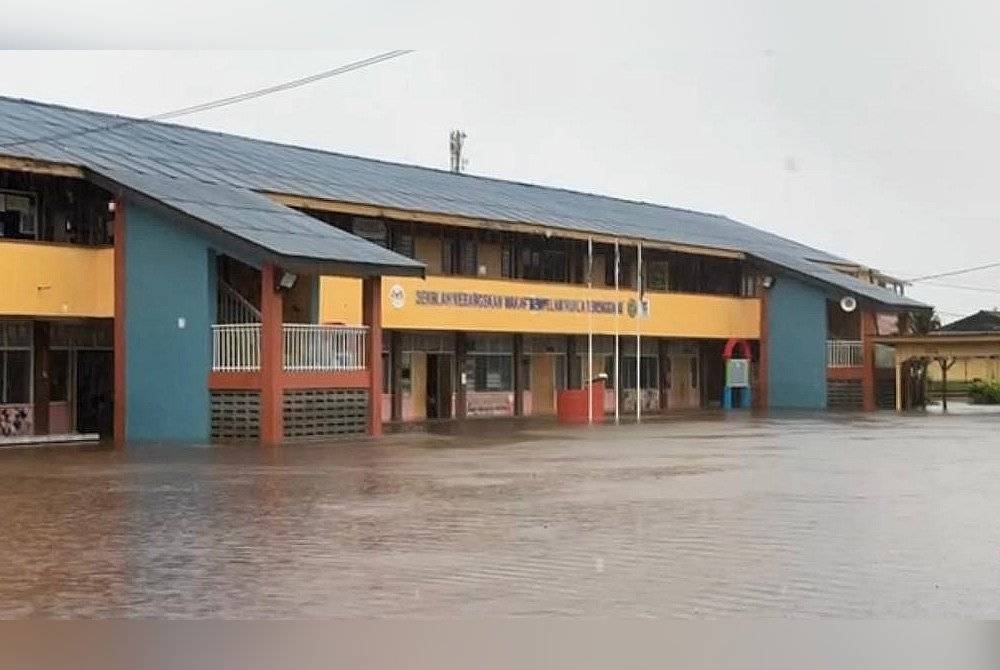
x: 846, y: 516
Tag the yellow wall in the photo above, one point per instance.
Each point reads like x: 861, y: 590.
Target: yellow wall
x: 340, y: 300
x: 671, y: 314
x: 40, y: 279
x: 967, y: 370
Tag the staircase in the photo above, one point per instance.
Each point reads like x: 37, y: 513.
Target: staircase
x: 234, y: 308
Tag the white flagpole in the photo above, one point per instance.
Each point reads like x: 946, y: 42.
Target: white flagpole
x: 590, y: 330
x: 638, y: 336
x: 618, y: 388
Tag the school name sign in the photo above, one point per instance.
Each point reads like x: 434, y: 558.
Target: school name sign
x: 516, y: 303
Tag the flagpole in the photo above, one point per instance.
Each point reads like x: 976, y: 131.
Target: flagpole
x: 638, y: 336
x: 618, y: 387
x: 590, y: 331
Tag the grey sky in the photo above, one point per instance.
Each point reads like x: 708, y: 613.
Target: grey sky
x: 869, y: 132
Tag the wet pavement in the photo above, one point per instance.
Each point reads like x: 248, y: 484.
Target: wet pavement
x: 712, y: 516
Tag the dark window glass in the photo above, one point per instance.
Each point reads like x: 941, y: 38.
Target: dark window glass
x: 17, y: 377
x: 448, y: 256
x: 647, y: 372
x: 657, y: 276
x: 59, y: 376
x: 469, y: 257
x: 694, y: 373
x: 402, y: 243
x: 493, y: 373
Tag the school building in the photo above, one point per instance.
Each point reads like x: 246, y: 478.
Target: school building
x: 164, y: 283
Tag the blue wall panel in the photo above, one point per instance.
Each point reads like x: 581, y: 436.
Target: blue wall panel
x: 797, y: 345
x: 170, y: 275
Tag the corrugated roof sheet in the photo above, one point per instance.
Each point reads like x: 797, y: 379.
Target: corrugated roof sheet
x: 261, y: 221
x: 169, y: 151
x: 983, y: 321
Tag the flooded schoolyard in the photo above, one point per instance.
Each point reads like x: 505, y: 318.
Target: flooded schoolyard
x: 821, y: 515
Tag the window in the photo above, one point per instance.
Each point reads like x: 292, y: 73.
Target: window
x: 15, y: 376
x: 18, y: 217
x: 373, y: 230
x: 402, y: 243
x: 468, y: 257
x: 492, y: 372
x: 657, y: 275
x: 647, y: 372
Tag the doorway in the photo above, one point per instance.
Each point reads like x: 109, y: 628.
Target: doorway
x: 94, y: 392
x: 439, y: 386
x: 543, y: 387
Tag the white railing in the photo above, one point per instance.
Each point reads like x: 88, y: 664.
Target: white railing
x: 312, y: 347
x: 307, y: 347
x: 235, y: 347
x: 844, y: 354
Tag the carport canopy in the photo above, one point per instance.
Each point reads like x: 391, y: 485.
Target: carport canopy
x: 943, y: 347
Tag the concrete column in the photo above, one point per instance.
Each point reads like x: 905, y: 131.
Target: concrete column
x: 868, y: 333
x: 271, y: 358
x: 396, y: 356
x: 42, y: 382
x: 664, y: 356
x: 372, y: 316
x: 119, y: 431
x: 572, y: 364
x: 761, y: 397
x: 899, y: 384
x: 518, y: 375
x: 461, y: 399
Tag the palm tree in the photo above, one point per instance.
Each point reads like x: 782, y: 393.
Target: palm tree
x: 918, y: 323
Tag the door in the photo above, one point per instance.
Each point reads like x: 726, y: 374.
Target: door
x: 684, y: 373
x: 439, y: 385
x: 94, y: 392
x: 543, y: 385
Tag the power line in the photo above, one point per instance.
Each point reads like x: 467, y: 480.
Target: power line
x: 962, y: 287
x: 220, y: 102
x: 952, y: 273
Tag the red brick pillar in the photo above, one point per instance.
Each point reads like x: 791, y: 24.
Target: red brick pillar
x: 869, y: 330
x: 372, y: 317
x: 272, y: 355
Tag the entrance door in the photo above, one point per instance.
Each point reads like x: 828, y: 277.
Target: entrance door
x: 684, y: 382
x: 543, y: 385
x: 439, y: 387
x: 94, y: 392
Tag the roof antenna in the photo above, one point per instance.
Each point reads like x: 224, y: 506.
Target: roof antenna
x: 455, y: 144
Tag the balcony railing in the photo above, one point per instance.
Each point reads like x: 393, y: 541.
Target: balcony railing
x: 306, y: 347
x: 844, y: 354
x: 311, y: 347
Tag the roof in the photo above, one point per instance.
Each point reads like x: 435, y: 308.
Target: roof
x: 983, y: 321
x: 289, y: 237
x: 121, y: 145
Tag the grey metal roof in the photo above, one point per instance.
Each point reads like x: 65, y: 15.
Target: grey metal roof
x: 295, y: 239
x: 106, y: 142
x: 983, y: 321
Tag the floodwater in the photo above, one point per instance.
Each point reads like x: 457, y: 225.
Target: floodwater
x: 713, y: 516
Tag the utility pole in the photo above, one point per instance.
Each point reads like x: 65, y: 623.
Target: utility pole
x: 455, y: 144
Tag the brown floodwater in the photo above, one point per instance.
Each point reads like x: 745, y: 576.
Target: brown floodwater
x: 713, y: 516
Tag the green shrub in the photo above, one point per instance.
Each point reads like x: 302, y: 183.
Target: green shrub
x: 985, y: 392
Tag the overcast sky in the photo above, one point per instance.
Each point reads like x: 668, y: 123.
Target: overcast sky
x: 869, y: 132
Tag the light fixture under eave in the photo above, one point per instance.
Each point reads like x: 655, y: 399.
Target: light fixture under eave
x: 767, y: 281
x: 848, y: 303
x: 287, y: 281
